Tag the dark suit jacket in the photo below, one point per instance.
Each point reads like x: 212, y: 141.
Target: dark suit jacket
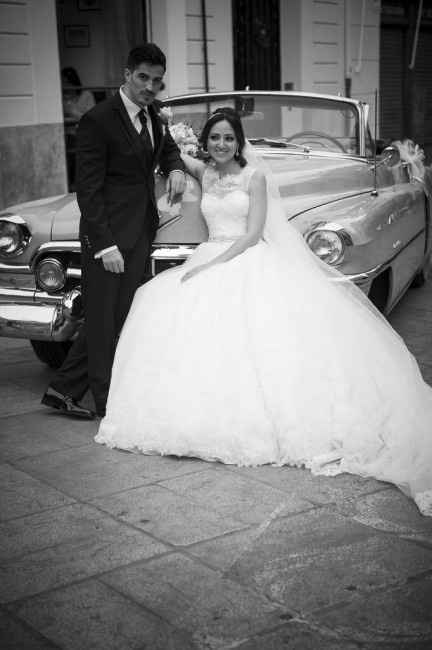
x: 115, y: 175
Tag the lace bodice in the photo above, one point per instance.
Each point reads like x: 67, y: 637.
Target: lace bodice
x: 225, y: 203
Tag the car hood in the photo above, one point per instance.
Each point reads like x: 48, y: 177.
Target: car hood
x: 308, y: 182
x: 65, y: 226
x: 39, y: 215
x: 305, y: 182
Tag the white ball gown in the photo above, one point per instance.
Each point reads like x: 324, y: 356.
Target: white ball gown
x: 263, y: 359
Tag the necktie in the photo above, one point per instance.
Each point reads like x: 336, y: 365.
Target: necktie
x: 144, y: 133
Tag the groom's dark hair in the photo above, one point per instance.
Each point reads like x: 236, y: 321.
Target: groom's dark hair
x: 145, y: 53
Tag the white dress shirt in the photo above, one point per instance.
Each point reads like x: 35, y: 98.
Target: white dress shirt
x: 133, y: 110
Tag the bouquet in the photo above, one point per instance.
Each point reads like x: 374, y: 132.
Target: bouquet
x: 185, y: 138
x: 181, y: 132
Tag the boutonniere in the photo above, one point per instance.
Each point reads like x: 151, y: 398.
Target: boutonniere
x: 165, y: 115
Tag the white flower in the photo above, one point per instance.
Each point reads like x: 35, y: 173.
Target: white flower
x: 166, y: 115
x: 412, y: 154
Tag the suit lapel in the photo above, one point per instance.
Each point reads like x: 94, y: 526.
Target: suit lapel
x: 143, y: 154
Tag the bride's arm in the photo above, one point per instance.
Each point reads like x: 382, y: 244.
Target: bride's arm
x: 194, y: 167
x: 255, y: 225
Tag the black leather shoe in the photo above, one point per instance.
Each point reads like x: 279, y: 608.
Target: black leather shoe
x: 66, y: 405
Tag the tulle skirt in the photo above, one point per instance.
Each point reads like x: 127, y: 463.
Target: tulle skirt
x: 258, y: 361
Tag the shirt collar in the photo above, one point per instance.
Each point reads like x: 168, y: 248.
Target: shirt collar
x: 132, y: 108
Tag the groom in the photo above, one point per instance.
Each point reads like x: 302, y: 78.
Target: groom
x: 120, y: 142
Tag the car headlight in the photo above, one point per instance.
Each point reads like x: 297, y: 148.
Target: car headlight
x: 14, y: 236
x: 328, y: 245
x: 50, y: 275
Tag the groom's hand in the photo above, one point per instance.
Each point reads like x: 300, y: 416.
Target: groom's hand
x: 113, y: 261
x: 175, y: 185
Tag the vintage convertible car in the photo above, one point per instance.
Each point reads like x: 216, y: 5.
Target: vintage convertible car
x: 363, y: 212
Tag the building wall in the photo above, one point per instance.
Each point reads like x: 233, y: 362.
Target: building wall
x: 32, y: 159
x: 323, y: 44
x: 312, y: 45
x: 176, y: 26
x: 363, y: 48
x: 219, y: 45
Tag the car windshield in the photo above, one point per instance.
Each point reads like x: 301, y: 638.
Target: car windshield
x: 317, y: 124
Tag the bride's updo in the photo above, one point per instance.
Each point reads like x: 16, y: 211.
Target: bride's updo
x: 232, y: 117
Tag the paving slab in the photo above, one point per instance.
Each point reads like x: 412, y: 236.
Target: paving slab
x: 17, y: 635
x: 22, y: 495
x: 57, y: 547
x: 403, y: 644
x: 40, y: 432
x: 91, y: 615
x: 223, y: 552
x: 28, y: 400
x: 14, y: 351
x: 205, y: 602
x: 319, y: 489
x: 237, y: 496
x: 391, y: 511
x: 94, y: 470
x: 31, y: 376
x: 298, y: 635
x: 320, y: 558
x: 401, y: 616
x: 166, y: 515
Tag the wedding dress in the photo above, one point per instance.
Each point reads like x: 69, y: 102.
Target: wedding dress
x: 264, y: 359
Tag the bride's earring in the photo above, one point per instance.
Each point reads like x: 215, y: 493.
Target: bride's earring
x: 236, y: 155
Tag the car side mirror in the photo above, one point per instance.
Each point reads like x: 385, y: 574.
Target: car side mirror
x: 390, y: 157
x: 380, y: 145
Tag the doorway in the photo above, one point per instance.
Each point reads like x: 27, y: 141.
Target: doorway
x: 405, y: 73
x: 94, y: 38
x: 256, y: 44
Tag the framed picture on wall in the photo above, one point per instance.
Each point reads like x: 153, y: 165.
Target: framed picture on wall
x: 89, y: 5
x: 76, y: 35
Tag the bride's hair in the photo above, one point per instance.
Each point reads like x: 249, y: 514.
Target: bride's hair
x: 232, y: 117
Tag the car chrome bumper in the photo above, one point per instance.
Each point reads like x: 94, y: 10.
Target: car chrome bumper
x: 38, y: 315
x: 165, y: 256
x: 365, y: 279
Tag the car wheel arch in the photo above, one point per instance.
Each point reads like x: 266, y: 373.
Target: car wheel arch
x: 381, y: 290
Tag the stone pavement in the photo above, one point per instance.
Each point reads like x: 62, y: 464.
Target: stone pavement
x: 106, y: 549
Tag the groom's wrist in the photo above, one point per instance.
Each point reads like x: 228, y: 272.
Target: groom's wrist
x: 102, y: 252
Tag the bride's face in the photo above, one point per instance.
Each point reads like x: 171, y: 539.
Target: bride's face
x: 222, y: 143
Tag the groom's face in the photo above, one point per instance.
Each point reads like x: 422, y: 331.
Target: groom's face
x: 143, y: 84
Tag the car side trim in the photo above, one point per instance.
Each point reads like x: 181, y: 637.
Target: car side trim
x: 372, y: 273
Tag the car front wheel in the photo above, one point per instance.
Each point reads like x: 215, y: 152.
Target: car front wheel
x: 52, y: 353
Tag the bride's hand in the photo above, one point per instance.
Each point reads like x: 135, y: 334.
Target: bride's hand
x: 194, y: 271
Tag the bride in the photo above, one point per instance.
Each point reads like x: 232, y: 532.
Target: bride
x: 254, y: 351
